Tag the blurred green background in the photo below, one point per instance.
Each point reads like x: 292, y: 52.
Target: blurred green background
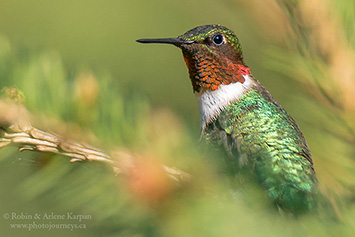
x: 102, y: 35
x: 83, y: 74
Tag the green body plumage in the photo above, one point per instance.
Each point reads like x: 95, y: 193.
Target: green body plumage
x: 238, y: 112
x: 260, y: 134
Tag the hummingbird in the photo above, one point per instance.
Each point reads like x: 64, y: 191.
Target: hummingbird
x: 240, y: 115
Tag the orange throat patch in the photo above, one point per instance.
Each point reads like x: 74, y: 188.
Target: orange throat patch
x: 208, y: 74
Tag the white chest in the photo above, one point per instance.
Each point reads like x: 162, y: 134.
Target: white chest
x: 211, y: 103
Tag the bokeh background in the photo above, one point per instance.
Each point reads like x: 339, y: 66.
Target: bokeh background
x: 83, y: 75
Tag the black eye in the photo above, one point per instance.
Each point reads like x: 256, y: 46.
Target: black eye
x: 217, y: 39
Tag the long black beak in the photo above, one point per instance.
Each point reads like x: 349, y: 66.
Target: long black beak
x: 175, y: 41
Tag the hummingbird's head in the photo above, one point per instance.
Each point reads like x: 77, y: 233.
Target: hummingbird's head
x: 212, y: 54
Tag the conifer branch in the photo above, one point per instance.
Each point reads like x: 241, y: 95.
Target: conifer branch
x: 16, y: 130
